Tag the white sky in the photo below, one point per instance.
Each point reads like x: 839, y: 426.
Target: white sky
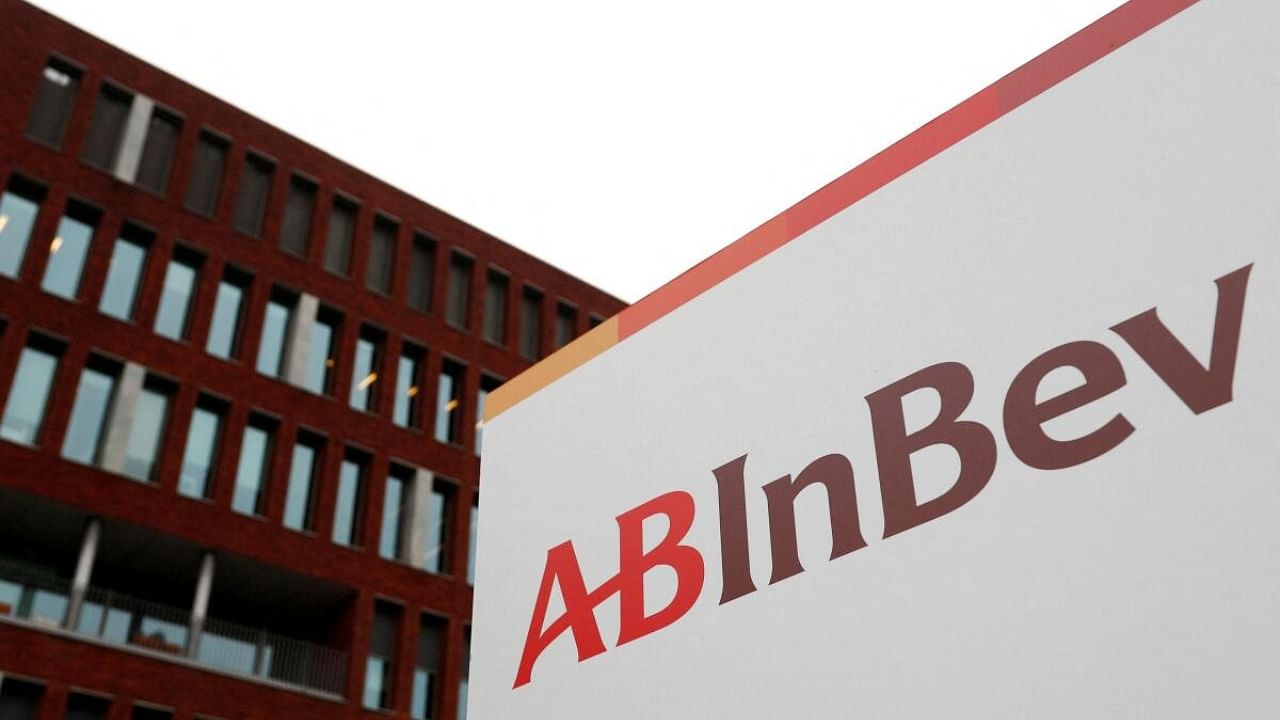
x: 622, y: 142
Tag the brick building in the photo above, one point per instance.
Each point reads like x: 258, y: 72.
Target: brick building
x: 239, y: 385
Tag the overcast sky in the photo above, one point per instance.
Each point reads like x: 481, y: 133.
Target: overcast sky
x: 622, y: 142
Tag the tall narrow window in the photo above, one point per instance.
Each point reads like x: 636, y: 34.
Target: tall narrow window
x: 408, y: 383
x: 255, y: 188
x: 350, y: 501
x: 158, y: 150
x: 382, y: 255
x: 124, y: 275
x: 205, y: 183
x: 141, y: 712
x: 320, y: 356
x: 342, y: 230
x: 495, y: 308
x: 273, y: 348
x: 19, y: 206
x: 94, y: 395
x: 380, y: 665
x: 364, y: 370
x: 421, y: 271
x: 473, y: 528
x: 299, y: 502
x: 255, y: 462
x: 459, y: 298
x: 426, y: 671
x: 449, y: 403
x: 295, y: 230
x: 228, y: 306
x: 531, y: 324
x: 102, y: 144
x: 29, y: 392
x: 19, y: 700
x: 487, y: 385
x: 566, y: 324
x: 175, y: 296
x: 436, y: 530
x: 87, y: 707
x: 394, y: 498
x: 59, y: 85
x: 67, y: 252
x: 464, y: 685
x: 203, y: 439
x: 151, y: 415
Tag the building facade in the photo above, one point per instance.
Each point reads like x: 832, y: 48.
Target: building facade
x: 240, y: 384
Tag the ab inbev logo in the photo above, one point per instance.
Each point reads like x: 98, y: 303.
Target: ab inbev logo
x: 1199, y: 387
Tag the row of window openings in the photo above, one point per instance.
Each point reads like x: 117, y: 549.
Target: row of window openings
x: 131, y: 447
x: 22, y: 700
x: 378, y: 693
x: 117, y: 108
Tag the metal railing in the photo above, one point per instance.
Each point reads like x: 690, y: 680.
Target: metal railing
x: 42, y: 598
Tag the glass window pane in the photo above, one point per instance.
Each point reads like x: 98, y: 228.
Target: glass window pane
x: 376, y: 683
x: 123, y: 277
x: 420, y: 702
x: 382, y: 253
x: 28, y: 396
x: 17, y: 219
x: 495, y: 309
x: 105, y: 129
x: 459, y: 296
x: 421, y: 267
x: 251, y: 203
x: 67, y: 252
x: 89, y: 416
x: 531, y: 325
x: 481, y: 396
x: 225, y: 325
x: 175, y: 300
x: 346, y: 513
x: 405, y: 412
x: 206, y: 174
x: 448, y: 403
x: 471, y: 543
x: 436, y: 532
x: 197, y: 461
x: 364, y: 375
x: 59, y: 85
x: 320, y: 357
x: 157, y: 152
x: 297, y: 504
x: 392, y: 502
x: 295, y: 229
x: 566, y: 322
x: 275, y: 326
x: 149, y: 421
x: 342, y: 226
x: 254, y: 452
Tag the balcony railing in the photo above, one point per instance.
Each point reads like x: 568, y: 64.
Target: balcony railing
x: 42, y: 598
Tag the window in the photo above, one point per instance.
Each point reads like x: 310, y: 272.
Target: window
x: 342, y: 230
x: 295, y: 230
x: 495, y: 308
x: 56, y: 97
x: 426, y: 671
x: 299, y: 502
x: 87, y: 707
x: 422, y: 262
x: 448, y: 403
x: 224, y: 329
x: 473, y: 527
x: 465, y: 683
x: 408, y: 378
x: 175, y: 295
x: 350, y: 501
x: 459, y: 297
x: 566, y: 324
x: 142, y: 712
x: 19, y: 206
x: 205, y: 182
x: 255, y: 462
x: 594, y: 321
x: 106, y: 129
x: 531, y: 324
x: 29, y: 392
x: 124, y: 274
x: 275, y: 333
x: 382, y: 255
x: 364, y: 370
x: 487, y: 385
x: 157, y: 151
x: 436, y: 527
x: 94, y: 395
x: 68, y: 250
x: 320, y: 355
x: 380, y: 666
x: 151, y: 415
x: 255, y: 187
x: 19, y: 700
x: 203, y: 439
x: 390, y: 546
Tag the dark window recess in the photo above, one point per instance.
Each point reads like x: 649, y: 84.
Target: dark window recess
x: 380, y: 666
x: 255, y: 187
x: 87, y: 707
x: 342, y: 228
x: 422, y: 263
x: 148, y: 713
x: 205, y: 182
x: 19, y: 700
x: 594, y: 320
x: 382, y: 255
x: 295, y: 230
x: 55, y: 99
x: 109, y: 116
x: 566, y: 323
x: 531, y: 324
x: 495, y: 308
x: 157, y: 151
x: 459, y: 290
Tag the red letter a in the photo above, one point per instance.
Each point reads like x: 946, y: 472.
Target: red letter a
x: 579, y: 612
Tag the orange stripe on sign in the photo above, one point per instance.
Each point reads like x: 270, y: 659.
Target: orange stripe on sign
x: 557, y: 365
x: 1006, y: 94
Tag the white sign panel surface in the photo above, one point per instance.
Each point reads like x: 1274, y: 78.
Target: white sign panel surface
x: 998, y: 439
